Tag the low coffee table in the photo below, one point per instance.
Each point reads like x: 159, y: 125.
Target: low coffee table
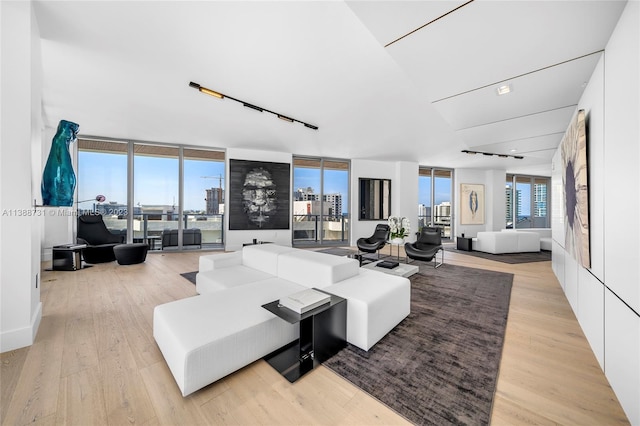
x: 402, y: 270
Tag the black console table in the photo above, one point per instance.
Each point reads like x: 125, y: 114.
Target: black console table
x: 463, y: 243
x: 323, y: 332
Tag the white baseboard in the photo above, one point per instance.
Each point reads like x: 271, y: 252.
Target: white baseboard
x: 20, y: 338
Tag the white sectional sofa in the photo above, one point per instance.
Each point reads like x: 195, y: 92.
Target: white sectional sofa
x: 206, y: 337
x: 498, y: 242
x: 544, y: 233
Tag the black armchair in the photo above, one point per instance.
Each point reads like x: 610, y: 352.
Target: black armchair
x: 375, y: 242
x: 100, y: 242
x: 426, y: 247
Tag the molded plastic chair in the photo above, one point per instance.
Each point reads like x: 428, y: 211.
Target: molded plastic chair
x: 428, y: 244
x: 375, y: 242
x: 100, y: 242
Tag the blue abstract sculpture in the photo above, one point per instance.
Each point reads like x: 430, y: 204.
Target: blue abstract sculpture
x: 58, y: 178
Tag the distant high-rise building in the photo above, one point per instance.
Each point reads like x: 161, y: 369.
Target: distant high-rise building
x: 540, y: 200
x: 509, y: 197
x: 518, y: 203
x: 443, y: 213
x: 332, y: 203
x: 424, y: 215
x: 214, y: 197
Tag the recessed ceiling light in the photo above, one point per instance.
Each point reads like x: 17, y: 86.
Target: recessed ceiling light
x: 504, y: 89
x: 514, y: 150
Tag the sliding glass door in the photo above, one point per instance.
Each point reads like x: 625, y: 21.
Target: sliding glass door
x: 320, y: 201
x: 434, y: 198
x: 204, y: 193
x: 527, y: 201
x: 102, y: 182
x: 155, y: 195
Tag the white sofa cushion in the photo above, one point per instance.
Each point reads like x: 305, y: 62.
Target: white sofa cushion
x: 544, y: 233
x: 264, y: 257
x: 204, y: 338
x: 528, y: 241
x: 497, y: 242
x: 222, y: 278
x: 546, y: 243
x: 376, y: 303
x: 313, y: 269
x: 217, y: 261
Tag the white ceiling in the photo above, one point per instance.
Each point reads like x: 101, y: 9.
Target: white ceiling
x: 122, y: 70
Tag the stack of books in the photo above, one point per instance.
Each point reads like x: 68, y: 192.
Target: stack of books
x: 305, y: 300
x: 388, y: 264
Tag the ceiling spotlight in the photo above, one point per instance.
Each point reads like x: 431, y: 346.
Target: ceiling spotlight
x: 487, y: 154
x: 248, y: 105
x: 503, y: 155
x: 466, y: 151
x: 206, y: 91
x: 504, y: 89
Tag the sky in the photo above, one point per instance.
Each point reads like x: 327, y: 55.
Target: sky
x: 156, y: 179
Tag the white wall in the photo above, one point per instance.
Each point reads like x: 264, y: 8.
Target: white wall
x: 606, y: 297
x: 235, y: 239
x: 20, y: 223
x: 380, y: 170
x: 405, y: 203
x: 495, y: 199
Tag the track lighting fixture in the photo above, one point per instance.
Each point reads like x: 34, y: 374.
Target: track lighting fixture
x: 248, y: 105
x: 257, y: 108
x: 490, y: 154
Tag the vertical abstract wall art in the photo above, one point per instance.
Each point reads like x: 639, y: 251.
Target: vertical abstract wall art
x: 58, y: 178
x: 576, y: 190
x: 259, y: 195
x: 471, y: 204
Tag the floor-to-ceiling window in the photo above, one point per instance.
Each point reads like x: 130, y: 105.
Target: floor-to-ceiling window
x: 434, y: 198
x: 204, y: 193
x: 102, y: 172
x: 320, y: 201
x: 527, y: 201
x: 156, y: 190
x: 162, y: 187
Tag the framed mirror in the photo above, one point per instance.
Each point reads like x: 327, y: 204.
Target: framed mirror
x: 375, y: 199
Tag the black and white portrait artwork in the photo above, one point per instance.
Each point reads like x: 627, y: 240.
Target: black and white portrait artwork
x: 259, y: 195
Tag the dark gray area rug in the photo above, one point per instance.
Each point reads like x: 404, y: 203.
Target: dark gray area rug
x: 440, y: 365
x: 512, y: 258
x: 191, y: 276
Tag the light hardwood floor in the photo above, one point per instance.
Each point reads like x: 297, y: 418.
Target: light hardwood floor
x: 95, y: 361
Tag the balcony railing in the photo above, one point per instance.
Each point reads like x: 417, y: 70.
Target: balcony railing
x: 306, y: 228
x: 149, y: 226
x: 443, y: 222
